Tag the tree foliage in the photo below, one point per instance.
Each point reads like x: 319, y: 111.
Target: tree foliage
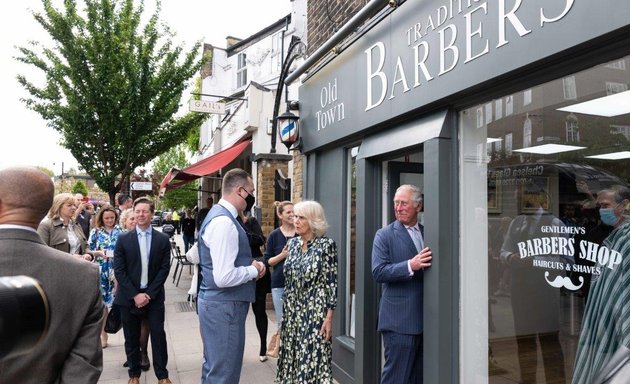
x: 80, y: 187
x: 185, y: 196
x: 112, y: 87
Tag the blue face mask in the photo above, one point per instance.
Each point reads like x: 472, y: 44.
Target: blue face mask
x: 608, y: 216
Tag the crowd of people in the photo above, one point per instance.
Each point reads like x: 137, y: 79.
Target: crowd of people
x: 123, y: 261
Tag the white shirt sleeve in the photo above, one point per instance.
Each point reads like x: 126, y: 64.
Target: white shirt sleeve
x: 221, y: 236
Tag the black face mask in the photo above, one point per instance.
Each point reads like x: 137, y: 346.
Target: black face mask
x: 249, y: 200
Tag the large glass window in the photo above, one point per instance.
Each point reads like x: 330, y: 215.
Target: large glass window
x: 546, y: 231
x: 351, y: 241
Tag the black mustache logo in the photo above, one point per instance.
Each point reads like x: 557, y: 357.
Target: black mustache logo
x: 562, y: 281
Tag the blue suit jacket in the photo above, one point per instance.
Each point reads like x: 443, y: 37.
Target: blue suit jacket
x: 400, y: 308
x: 128, y: 266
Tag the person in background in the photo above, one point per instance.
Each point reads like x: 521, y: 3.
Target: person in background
x: 188, y: 230
x: 128, y: 223
x: 399, y: 257
x: 168, y: 225
x: 176, y: 221
x: 102, y: 242
x: 604, y: 338
x: 69, y: 353
x: 124, y: 202
x: 141, y: 264
x: 310, y: 298
x: 228, y: 280
x: 59, y: 230
x: 276, y: 253
x: 84, y: 214
x: 263, y: 285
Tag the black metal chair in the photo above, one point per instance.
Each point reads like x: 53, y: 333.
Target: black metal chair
x: 181, y: 263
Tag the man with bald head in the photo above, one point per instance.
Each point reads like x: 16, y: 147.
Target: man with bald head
x: 70, y: 352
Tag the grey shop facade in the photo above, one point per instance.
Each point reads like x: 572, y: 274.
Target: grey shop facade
x: 498, y: 110
x: 504, y: 112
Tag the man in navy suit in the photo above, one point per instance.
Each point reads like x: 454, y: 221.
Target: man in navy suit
x: 141, y: 265
x: 399, y: 258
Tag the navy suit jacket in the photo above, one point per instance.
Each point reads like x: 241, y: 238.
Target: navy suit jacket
x: 128, y: 266
x: 400, y: 308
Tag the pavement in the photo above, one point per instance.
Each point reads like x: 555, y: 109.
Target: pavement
x: 185, y: 349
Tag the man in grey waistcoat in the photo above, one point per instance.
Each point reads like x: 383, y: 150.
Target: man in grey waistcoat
x: 228, y: 280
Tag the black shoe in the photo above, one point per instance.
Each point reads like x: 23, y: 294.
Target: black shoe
x: 145, y: 364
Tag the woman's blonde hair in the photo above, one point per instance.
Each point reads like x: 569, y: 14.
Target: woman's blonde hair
x: 124, y: 216
x: 58, y: 201
x: 314, y: 214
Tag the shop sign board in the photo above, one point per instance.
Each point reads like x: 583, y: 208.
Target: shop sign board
x: 427, y: 51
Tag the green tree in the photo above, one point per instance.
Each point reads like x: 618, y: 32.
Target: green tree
x: 113, y: 85
x: 80, y: 187
x: 47, y: 171
x: 185, y: 196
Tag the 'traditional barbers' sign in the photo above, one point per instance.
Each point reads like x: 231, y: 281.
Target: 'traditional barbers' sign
x: 426, y: 51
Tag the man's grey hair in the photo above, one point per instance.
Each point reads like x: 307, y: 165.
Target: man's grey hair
x: 233, y: 179
x: 416, y: 193
x: 619, y: 193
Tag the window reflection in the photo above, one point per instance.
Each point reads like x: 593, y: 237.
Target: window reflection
x: 549, y: 169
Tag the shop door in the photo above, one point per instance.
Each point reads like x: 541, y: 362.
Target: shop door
x: 399, y: 173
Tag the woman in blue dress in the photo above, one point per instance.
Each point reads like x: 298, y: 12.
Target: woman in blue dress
x: 102, y: 242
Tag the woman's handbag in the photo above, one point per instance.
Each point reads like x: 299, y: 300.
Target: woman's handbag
x: 274, y: 345
x: 113, y: 323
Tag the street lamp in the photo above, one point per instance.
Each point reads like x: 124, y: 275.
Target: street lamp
x: 296, y: 49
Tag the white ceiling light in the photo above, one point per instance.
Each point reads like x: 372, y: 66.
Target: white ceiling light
x: 492, y: 140
x: 607, y: 106
x: 548, y: 149
x: 611, y: 156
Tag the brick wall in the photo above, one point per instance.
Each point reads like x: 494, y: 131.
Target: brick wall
x: 298, y: 177
x: 265, y: 191
x: 325, y: 17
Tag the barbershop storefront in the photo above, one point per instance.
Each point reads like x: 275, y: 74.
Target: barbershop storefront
x: 513, y: 116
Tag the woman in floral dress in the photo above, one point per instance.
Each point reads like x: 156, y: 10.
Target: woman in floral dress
x: 310, y: 297
x: 102, y: 241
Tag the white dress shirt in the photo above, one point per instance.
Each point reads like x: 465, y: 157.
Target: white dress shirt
x: 221, y: 236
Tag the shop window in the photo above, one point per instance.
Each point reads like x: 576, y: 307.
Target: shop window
x: 527, y: 132
x: 509, y: 105
x: 617, y: 64
x: 612, y: 87
x: 621, y: 130
x: 498, y: 107
x: 544, y: 286
x: 569, y: 88
x: 276, y: 51
x: 527, y: 97
x: 488, y: 113
x: 351, y: 241
x: 573, y: 132
x: 241, y: 71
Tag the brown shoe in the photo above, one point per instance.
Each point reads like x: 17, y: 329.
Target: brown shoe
x: 165, y: 381
x: 134, y: 380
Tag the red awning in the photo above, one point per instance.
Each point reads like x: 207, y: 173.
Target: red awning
x: 176, y: 178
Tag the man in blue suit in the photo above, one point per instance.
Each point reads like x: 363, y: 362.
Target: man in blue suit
x: 141, y: 266
x: 399, y: 258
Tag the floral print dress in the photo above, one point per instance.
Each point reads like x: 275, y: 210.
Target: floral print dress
x: 310, y: 290
x: 101, y: 240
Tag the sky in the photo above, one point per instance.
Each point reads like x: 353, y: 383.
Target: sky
x: 27, y: 140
